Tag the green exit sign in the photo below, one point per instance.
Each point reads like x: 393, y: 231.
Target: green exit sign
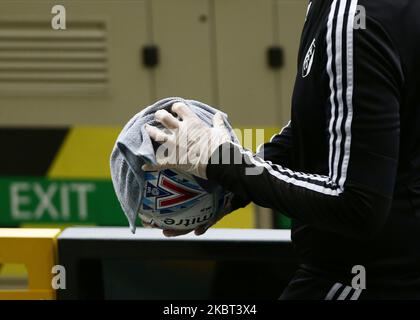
x: 33, y: 200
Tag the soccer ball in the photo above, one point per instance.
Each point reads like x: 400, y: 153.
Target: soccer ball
x: 175, y: 200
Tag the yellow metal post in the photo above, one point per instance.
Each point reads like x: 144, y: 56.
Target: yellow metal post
x: 36, y: 249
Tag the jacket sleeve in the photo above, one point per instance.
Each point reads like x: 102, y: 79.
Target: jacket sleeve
x: 279, y: 149
x: 354, y: 198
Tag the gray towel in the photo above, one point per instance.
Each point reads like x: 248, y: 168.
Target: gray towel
x: 134, y: 148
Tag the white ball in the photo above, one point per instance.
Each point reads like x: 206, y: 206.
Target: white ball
x: 174, y: 200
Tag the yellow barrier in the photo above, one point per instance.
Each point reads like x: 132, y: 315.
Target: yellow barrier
x: 36, y: 249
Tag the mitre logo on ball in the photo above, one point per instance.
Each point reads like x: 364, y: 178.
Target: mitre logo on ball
x: 174, y: 200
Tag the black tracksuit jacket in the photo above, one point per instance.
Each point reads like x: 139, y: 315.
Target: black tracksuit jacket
x: 346, y: 168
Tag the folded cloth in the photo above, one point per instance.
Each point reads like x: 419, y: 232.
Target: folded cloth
x: 134, y: 148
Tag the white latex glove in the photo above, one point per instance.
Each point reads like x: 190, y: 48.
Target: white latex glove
x: 186, y: 144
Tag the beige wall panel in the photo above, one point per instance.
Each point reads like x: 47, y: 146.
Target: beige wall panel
x: 291, y: 17
x: 181, y: 30
x: 247, y: 86
x: 127, y: 82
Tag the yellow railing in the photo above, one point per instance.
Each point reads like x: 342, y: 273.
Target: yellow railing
x: 37, y: 250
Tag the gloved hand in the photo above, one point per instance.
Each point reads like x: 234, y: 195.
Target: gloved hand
x: 186, y: 144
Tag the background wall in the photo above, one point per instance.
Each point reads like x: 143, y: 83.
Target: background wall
x: 65, y: 94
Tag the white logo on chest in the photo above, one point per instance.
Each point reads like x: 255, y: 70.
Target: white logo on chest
x: 309, y: 59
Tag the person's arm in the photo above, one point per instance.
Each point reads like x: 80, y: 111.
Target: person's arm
x: 355, y: 197
x: 279, y: 149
